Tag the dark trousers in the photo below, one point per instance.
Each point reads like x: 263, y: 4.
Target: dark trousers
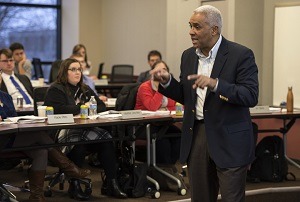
x: 106, y: 156
x: 206, y: 178
x: 39, y: 156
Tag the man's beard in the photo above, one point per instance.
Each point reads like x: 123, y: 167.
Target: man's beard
x: 155, y: 78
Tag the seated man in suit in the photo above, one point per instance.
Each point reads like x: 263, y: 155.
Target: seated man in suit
x: 153, y: 57
x: 14, y: 84
x: 23, y: 65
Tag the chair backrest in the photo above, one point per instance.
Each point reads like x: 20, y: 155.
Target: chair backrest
x: 39, y: 95
x: 37, y: 66
x: 127, y: 97
x: 126, y: 101
x: 54, y: 70
x: 100, y: 70
x: 121, y: 74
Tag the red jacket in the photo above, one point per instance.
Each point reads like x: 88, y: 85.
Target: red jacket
x: 149, y: 99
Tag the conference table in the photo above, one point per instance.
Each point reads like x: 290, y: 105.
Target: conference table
x: 87, y: 123
x: 8, y: 128
x: 288, y: 120
x: 78, y: 124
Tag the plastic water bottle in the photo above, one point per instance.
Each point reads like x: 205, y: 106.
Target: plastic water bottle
x: 93, y: 106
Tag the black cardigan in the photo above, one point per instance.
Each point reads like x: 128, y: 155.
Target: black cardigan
x: 64, y: 102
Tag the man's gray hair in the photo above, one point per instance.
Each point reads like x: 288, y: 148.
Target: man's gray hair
x: 213, y: 15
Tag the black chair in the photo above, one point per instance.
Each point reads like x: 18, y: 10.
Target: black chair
x: 54, y: 70
x: 9, y: 160
x: 39, y: 95
x: 100, y: 70
x: 6, y: 189
x: 6, y: 194
x: 121, y: 74
x: 37, y: 66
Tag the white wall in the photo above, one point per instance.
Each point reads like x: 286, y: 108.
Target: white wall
x: 177, y: 33
x: 129, y: 30
x: 286, y: 54
x: 90, y: 32
x: 70, y: 26
x: 268, y: 47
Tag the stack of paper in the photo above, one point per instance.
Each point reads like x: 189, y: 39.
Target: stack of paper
x: 155, y: 113
x: 111, y: 114
x: 26, y: 119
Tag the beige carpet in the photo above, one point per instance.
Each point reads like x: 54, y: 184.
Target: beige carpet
x: 16, y: 177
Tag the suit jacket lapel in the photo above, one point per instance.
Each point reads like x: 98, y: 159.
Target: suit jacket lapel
x: 25, y: 84
x: 219, y: 61
x: 3, y: 87
x: 194, y: 63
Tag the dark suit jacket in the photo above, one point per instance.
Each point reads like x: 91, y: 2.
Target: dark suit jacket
x: 7, y: 108
x: 24, y: 80
x: 226, y: 112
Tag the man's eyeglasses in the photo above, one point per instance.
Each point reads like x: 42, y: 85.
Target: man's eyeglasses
x: 6, y: 61
x: 74, y: 69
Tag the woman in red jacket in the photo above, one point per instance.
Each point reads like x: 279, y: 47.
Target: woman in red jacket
x: 148, y: 98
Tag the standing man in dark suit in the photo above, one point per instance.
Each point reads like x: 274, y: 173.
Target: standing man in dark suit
x: 12, y: 83
x: 218, y: 84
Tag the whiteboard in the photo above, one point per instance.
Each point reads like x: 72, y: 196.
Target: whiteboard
x: 286, y: 58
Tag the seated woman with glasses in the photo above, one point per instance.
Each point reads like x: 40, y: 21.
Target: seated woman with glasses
x: 39, y: 157
x: 66, y: 96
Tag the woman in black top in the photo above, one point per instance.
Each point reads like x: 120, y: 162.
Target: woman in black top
x: 66, y: 96
x: 39, y: 157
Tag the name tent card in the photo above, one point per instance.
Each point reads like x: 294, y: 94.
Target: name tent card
x: 60, y: 118
x: 101, y: 82
x: 131, y: 114
x: 260, y: 109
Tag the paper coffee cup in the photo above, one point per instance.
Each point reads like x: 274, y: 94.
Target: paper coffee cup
x: 42, y: 111
x: 41, y: 81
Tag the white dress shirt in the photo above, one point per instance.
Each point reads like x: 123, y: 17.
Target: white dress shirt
x: 205, y: 67
x: 11, y: 89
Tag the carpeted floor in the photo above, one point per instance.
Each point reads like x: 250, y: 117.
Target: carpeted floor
x: 169, y: 190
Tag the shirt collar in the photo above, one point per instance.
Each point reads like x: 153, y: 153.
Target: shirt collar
x: 213, y: 52
x: 6, y: 76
